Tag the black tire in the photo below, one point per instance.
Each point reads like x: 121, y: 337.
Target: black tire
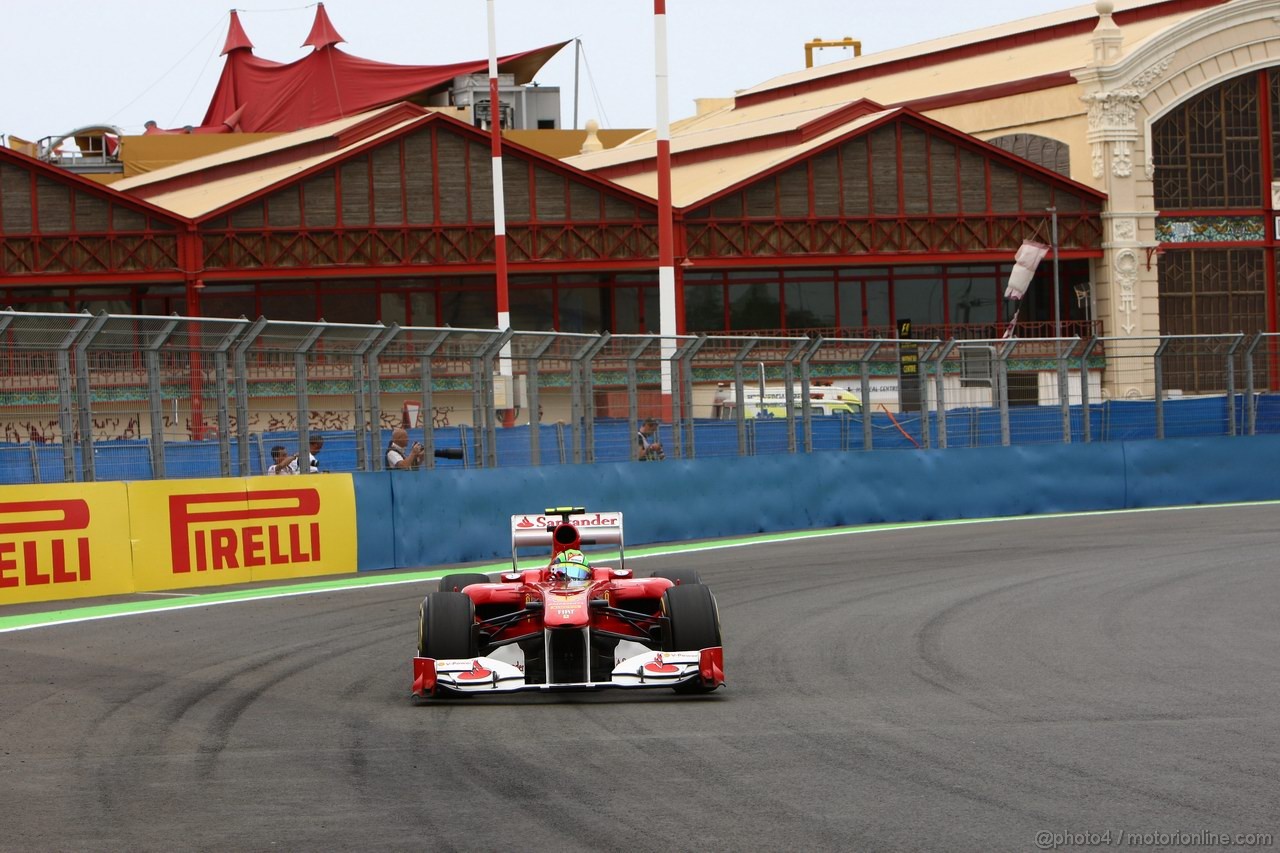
x: 678, y: 576
x: 692, y: 617
x: 457, y: 582
x: 446, y: 627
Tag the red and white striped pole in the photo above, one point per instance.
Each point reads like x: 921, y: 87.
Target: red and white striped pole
x: 666, y: 234
x: 499, y: 205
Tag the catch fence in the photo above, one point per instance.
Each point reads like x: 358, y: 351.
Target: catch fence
x: 116, y: 397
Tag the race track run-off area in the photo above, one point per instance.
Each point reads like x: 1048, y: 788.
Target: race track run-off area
x: 982, y: 686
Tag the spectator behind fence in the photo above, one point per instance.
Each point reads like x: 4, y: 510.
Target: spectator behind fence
x: 316, y: 443
x: 400, y: 458
x: 281, y: 461
x: 648, y: 447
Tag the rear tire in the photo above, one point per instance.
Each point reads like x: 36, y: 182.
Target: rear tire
x: 458, y: 581
x: 680, y: 577
x: 446, y: 627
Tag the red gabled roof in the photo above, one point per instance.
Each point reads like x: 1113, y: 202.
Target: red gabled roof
x: 83, y: 184
x: 256, y: 95
x: 899, y: 114
x: 512, y: 149
x: 266, y: 165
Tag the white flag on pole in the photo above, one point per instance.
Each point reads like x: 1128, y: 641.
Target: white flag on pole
x: 1029, y: 256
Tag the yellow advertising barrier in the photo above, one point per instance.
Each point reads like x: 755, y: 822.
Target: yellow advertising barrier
x: 189, y: 533
x: 64, y: 541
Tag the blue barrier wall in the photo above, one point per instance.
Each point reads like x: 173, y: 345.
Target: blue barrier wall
x: 443, y: 516
x: 375, y: 533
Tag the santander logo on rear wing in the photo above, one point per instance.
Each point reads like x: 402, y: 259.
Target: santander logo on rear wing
x: 535, y: 531
x: 586, y: 520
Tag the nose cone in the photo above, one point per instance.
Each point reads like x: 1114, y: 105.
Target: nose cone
x: 568, y: 607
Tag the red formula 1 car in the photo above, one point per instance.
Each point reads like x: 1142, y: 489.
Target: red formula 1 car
x: 568, y: 623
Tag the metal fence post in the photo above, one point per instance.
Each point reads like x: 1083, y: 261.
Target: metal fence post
x: 676, y: 360
x: 739, y: 394
x: 806, y: 410
x: 304, y: 404
x: 491, y: 352
x: 66, y: 401
x: 1085, y: 416
x: 478, y: 369
x: 358, y: 393
x: 1002, y: 378
x: 372, y: 373
x: 633, y: 392
x: 483, y: 414
x: 425, y: 389
x: 242, y: 392
x: 864, y: 367
x: 533, y: 360
x: 923, y: 358
x: 156, y: 397
x: 939, y: 384
x: 1251, y: 402
x: 1064, y: 386
x: 789, y: 378
x: 581, y: 405
x: 1231, y: 384
x: 688, y: 442
x: 224, y: 395
x: 576, y: 414
x: 1159, y: 380
x: 84, y: 394
x: 589, y: 395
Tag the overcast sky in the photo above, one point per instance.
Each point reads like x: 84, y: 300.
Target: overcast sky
x: 79, y: 62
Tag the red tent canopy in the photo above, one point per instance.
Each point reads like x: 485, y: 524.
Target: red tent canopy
x: 258, y: 95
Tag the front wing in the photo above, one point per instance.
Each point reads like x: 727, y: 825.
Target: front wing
x: 704, y: 668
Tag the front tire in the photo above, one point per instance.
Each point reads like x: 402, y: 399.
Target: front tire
x: 460, y: 580
x: 693, y: 620
x: 446, y: 627
x: 693, y: 624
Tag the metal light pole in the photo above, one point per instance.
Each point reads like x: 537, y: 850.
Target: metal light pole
x: 499, y: 206
x: 577, y: 55
x: 1057, y: 296
x: 666, y: 235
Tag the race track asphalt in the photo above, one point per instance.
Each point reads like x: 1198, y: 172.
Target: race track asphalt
x: 940, y: 688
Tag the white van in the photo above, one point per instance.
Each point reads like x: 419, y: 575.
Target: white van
x: 771, y: 401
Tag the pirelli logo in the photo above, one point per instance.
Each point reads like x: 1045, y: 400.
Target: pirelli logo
x: 44, y: 542
x: 215, y: 532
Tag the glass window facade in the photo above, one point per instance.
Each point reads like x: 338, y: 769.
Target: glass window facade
x: 858, y: 301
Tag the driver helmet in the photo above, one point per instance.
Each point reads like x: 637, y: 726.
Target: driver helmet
x: 572, y: 564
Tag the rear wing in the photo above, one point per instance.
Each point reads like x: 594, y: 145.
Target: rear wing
x: 538, y: 531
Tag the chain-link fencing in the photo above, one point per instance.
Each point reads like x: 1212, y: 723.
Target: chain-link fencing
x: 112, y: 397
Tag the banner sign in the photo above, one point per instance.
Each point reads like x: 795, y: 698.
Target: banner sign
x: 194, y: 533
x: 909, y: 398
x: 64, y: 541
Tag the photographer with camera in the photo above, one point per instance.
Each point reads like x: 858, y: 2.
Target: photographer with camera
x: 398, y: 457
x: 648, y: 447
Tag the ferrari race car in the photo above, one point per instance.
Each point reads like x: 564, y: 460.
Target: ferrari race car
x: 568, y: 623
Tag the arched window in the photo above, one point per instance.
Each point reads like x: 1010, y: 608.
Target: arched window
x: 1210, y: 192
x: 1208, y: 151
x: 1041, y: 150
